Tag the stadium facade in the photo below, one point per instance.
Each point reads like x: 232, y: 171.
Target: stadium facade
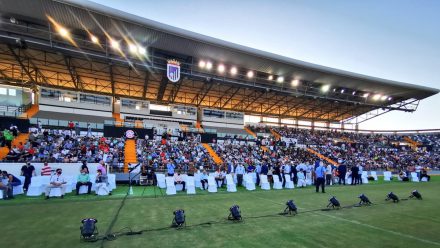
x: 79, y: 57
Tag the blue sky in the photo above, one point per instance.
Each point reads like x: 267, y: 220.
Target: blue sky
x: 393, y: 39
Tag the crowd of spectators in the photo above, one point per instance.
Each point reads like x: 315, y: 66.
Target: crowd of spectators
x: 184, y: 153
x: 65, y: 146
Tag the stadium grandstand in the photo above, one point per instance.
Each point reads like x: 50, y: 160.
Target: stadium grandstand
x: 84, y: 87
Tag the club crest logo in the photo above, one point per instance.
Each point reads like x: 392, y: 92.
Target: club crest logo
x: 173, y: 70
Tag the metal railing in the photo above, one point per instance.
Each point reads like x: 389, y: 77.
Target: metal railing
x: 64, y: 123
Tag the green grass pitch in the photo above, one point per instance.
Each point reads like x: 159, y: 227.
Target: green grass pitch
x: 35, y: 222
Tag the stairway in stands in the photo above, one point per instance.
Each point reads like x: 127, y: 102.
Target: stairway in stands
x: 22, y: 137
x: 199, y: 126
x: 250, y: 132
x: 275, y: 134
x: 413, y: 144
x: 118, y: 119
x: 33, y: 110
x: 129, y: 153
x: 319, y: 155
x: 213, y: 154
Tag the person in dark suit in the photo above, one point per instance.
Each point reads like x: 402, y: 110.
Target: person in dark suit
x: 342, y: 171
x: 354, y: 175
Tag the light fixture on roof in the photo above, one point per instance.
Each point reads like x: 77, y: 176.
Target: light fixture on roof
x: 221, y: 68
x: 342, y: 91
x: 250, y: 74
x: 325, y: 88
x: 114, y: 44
x: 295, y: 82
x: 383, y: 98
x: 377, y: 97
x: 390, y: 98
x: 94, y: 39
x: 63, y: 32
x: 141, y: 50
x: 354, y: 93
x: 234, y: 70
x: 202, y: 64
x: 366, y: 95
x: 334, y: 90
x: 280, y: 79
x: 132, y: 48
x: 270, y: 77
x: 208, y: 65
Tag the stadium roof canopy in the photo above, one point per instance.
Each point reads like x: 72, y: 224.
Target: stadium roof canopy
x: 34, y: 52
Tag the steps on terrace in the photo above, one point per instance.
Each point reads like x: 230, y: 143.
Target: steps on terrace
x: 319, y: 155
x: 130, y: 155
x: 213, y: 154
x: 22, y: 137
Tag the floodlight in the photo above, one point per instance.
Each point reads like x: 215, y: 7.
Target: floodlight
x: 234, y: 70
x: 63, y: 32
x: 114, y: 44
x: 416, y: 194
x: 250, y: 74
x: 94, y: 39
x: 295, y: 82
x: 377, y: 97
x: 290, y: 208
x: 179, y: 218
x: 280, y: 79
x: 132, y: 48
x: 89, y: 230
x: 270, y: 77
x: 141, y: 50
x: 235, y: 213
x: 202, y: 64
x: 208, y: 65
x: 393, y: 197
x: 334, y: 203
x: 325, y: 88
x: 221, y: 68
x: 364, y: 200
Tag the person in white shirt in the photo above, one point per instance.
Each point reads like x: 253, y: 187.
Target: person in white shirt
x: 179, y: 180
x: 56, y: 181
x: 328, y: 174
x: 301, y: 179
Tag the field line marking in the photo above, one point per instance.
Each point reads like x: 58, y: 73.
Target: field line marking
x: 366, y: 225
x: 381, y: 229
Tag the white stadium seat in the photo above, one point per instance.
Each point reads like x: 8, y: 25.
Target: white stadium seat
x: 387, y: 175
x: 190, y: 185
x: 230, y: 185
x: 171, y: 188
x: 414, y: 177
x: 212, y: 185
x: 264, y: 182
x: 364, y: 177
x: 161, y: 181
x: 276, y: 182
x: 249, y: 183
x: 36, y: 186
x: 374, y: 175
x: 289, y: 183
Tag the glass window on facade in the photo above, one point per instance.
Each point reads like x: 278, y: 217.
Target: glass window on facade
x: 213, y: 113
